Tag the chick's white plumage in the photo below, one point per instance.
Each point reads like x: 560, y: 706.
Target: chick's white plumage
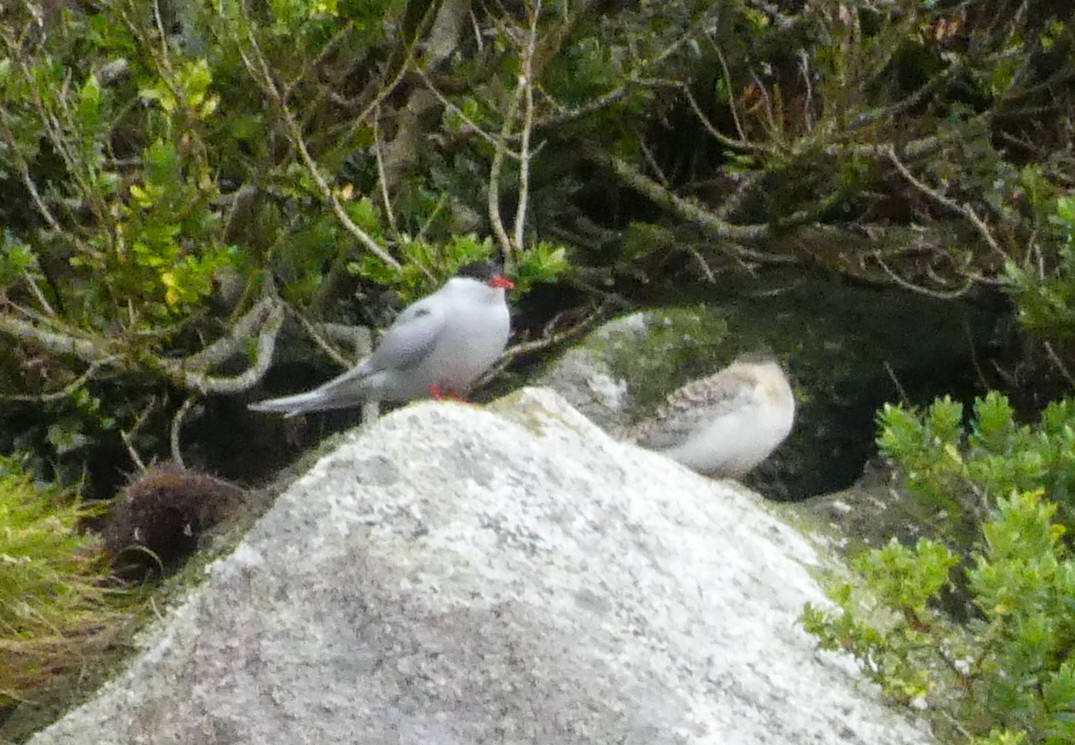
x: 443, y: 342
x: 727, y: 423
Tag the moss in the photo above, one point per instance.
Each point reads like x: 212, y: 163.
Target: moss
x: 676, y: 345
x: 161, y: 515
x: 532, y: 418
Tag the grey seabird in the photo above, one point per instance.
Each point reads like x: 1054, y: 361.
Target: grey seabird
x: 439, y: 345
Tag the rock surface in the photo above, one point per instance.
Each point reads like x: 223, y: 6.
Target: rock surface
x: 458, y: 576
x: 585, y: 378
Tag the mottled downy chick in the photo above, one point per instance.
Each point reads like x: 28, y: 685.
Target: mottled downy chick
x: 727, y: 423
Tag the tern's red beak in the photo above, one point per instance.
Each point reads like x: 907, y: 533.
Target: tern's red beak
x: 501, y: 283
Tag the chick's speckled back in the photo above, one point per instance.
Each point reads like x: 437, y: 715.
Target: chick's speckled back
x: 725, y: 423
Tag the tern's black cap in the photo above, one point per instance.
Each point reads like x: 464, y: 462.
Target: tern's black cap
x: 483, y: 271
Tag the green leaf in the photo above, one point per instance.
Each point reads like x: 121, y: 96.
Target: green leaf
x: 906, y: 578
x: 993, y: 424
x: 89, y: 101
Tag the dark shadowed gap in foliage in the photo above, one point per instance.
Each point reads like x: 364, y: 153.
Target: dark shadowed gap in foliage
x: 850, y: 347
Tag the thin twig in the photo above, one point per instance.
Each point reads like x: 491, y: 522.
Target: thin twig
x: 382, y: 179
x: 177, y: 427
x: 1059, y: 363
x: 547, y: 339
x: 128, y: 435
x: 775, y: 131
x: 526, y: 80
x: 68, y: 389
x: 478, y: 41
x: 974, y: 361
x: 165, y: 57
x: 939, y: 294
x: 808, y: 99
x: 709, y: 276
x: 261, y: 73
x: 473, y: 126
x: 728, y: 83
x: 896, y: 382
x: 27, y: 178
x: 35, y: 288
x: 741, y: 144
x: 318, y: 337
x: 963, y: 209
x: 648, y: 157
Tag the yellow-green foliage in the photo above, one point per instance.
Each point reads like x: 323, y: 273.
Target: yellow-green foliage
x: 53, y: 592
x: 1001, y: 672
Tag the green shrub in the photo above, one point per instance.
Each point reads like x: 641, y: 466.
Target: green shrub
x: 962, y: 473
x: 55, y: 598
x: 175, y: 178
x: 1001, y: 493
x: 1043, y: 284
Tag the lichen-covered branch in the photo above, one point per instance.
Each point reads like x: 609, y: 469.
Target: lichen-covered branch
x: 193, y: 379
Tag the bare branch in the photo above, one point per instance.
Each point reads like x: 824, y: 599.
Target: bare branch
x: 128, y: 435
x: 259, y: 70
x: 177, y: 427
x: 68, y: 341
x: 35, y: 288
x: 493, y: 205
x: 709, y: 276
x: 651, y: 161
x: 188, y: 379
x: 727, y: 82
x: 231, y: 344
x: 473, y: 127
x: 939, y: 294
x: 1058, y: 363
x: 382, y: 179
x: 526, y: 82
x: 687, y: 209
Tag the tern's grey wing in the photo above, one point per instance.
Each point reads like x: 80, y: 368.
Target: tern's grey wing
x: 413, y: 336
x: 697, y: 401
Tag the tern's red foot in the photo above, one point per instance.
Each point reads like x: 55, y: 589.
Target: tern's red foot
x: 439, y: 394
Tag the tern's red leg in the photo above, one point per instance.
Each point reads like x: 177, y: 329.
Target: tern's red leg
x: 439, y: 393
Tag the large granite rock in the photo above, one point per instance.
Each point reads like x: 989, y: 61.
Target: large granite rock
x: 458, y: 576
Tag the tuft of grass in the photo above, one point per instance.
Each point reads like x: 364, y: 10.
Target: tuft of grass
x: 58, y: 605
